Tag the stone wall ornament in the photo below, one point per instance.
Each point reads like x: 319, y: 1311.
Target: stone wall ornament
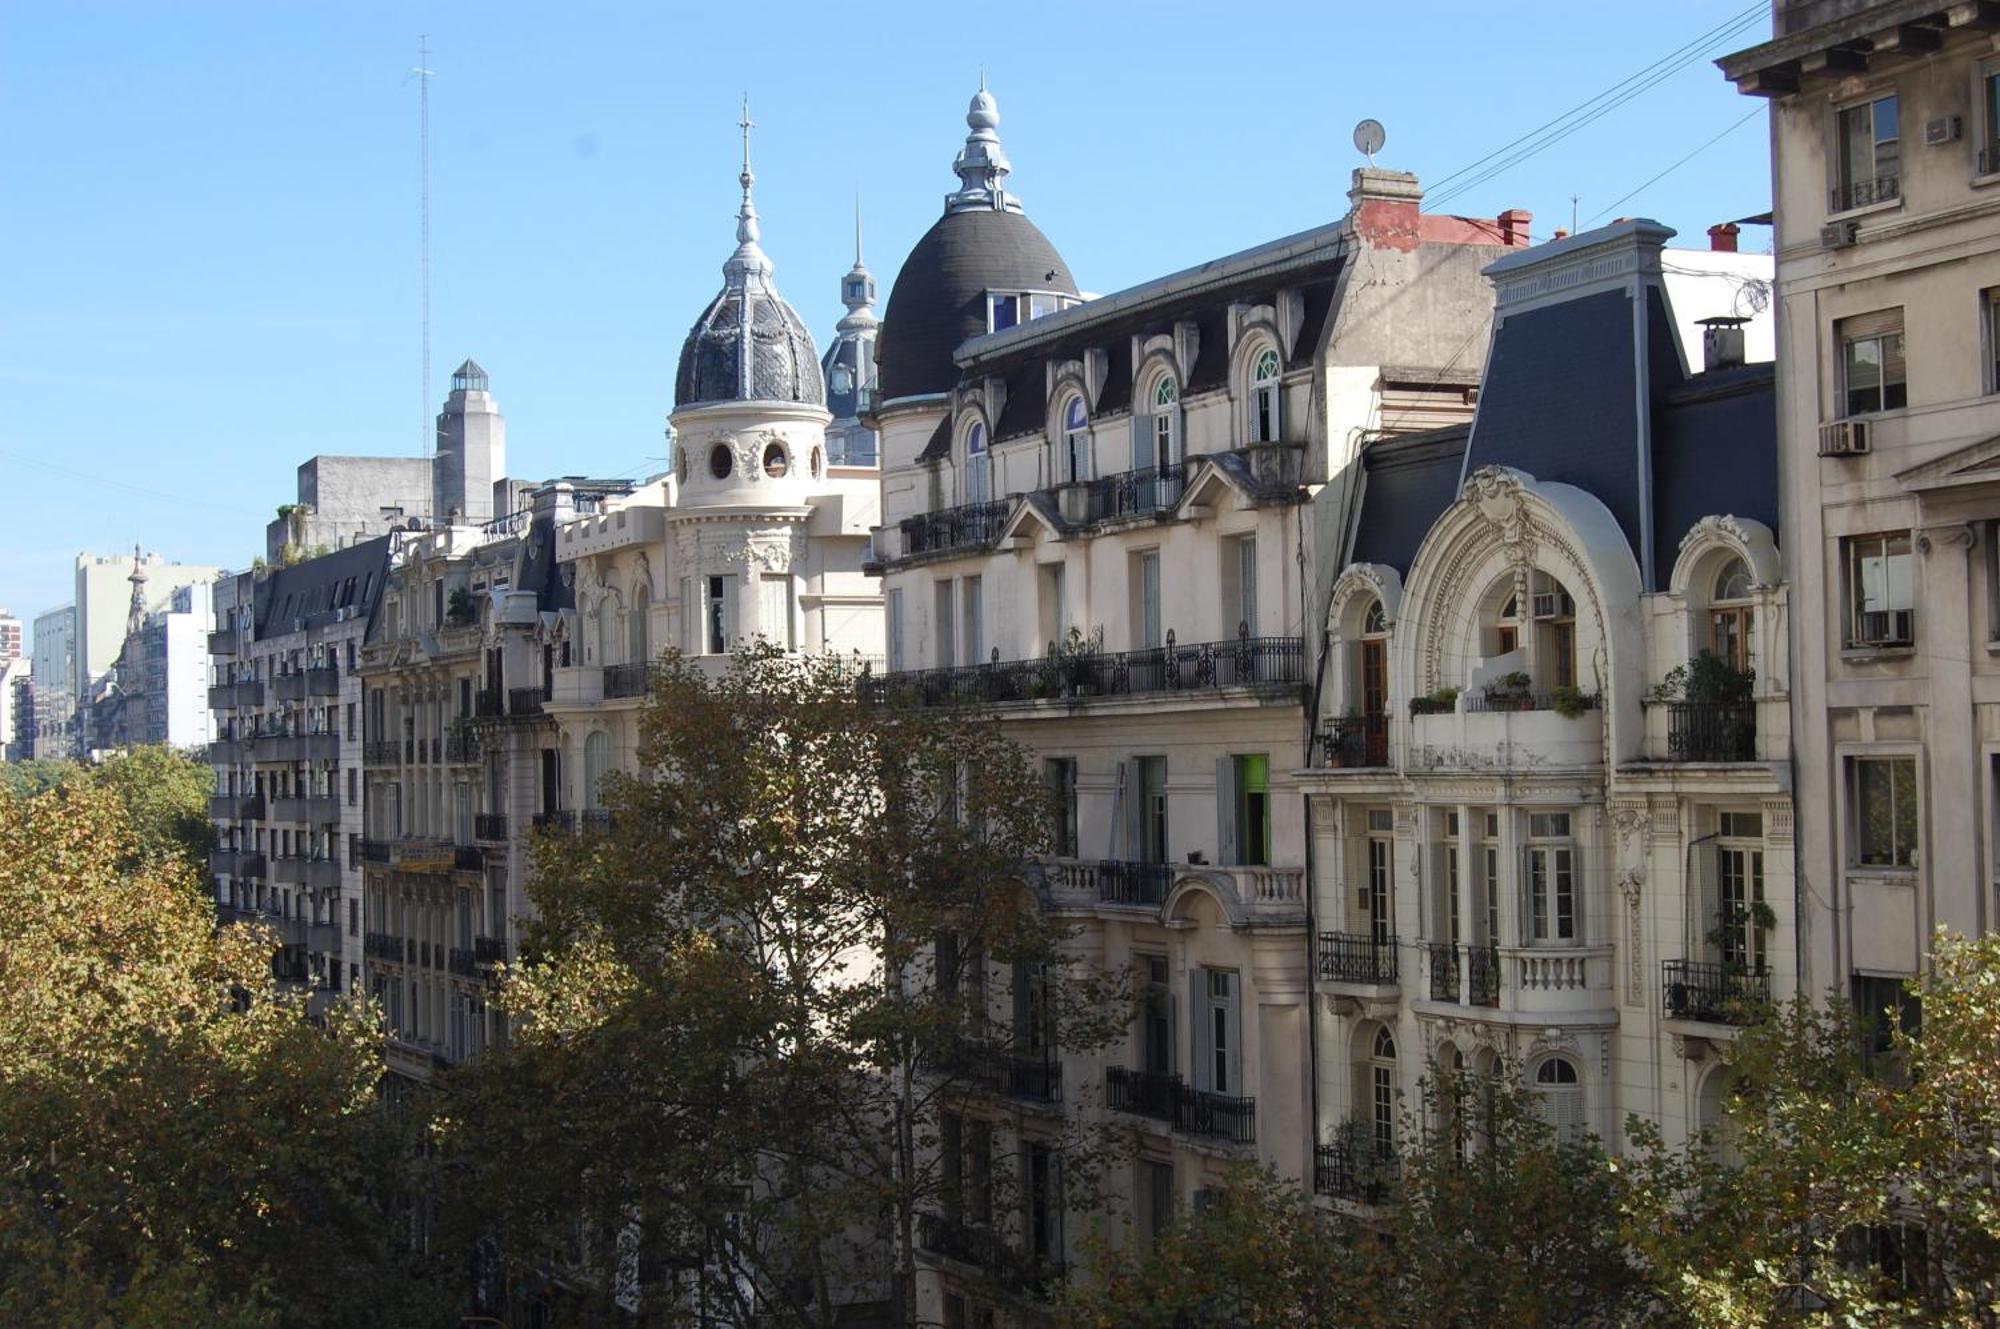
x: 1629, y: 820
x: 1503, y: 504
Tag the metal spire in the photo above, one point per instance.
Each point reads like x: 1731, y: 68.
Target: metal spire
x: 749, y: 259
x: 982, y: 163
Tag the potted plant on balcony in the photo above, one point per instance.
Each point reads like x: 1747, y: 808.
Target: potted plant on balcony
x: 1509, y: 692
x: 1570, y: 702
x: 460, y: 610
x: 1706, y: 678
x: 1442, y: 702
x: 1076, y: 661
x: 1713, y: 718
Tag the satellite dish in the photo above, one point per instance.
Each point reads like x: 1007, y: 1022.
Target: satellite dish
x: 1369, y: 136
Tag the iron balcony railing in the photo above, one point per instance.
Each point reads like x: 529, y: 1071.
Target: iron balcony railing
x: 1482, y: 975
x: 626, y: 680
x: 557, y: 821
x: 375, y: 851
x: 1712, y: 731
x: 462, y: 961
x: 1136, y: 493
x: 1164, y: 1097
x: 945, y: 1237
x: 383, y: 946
x: 1444, y: 970
x: 1863, y: 193
x: 462, y: 747
x: 967, y: 527
x: 1506, y: 699
x: 1034, y: 1075
x: 1175, y: 667
x: 490, y: 826
x: 1356, y: 957
x: 489, y: 704
x: 489, y: 950
x: 1364, y: 1173
x: 380, y: 752
x: 1353, y: 741
x: 468, y: 858
x: 525, y: 703
x: 1715, y: 993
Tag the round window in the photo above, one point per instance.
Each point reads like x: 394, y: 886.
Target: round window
x: 775, y: 461
x: 818, y: 463
x: 720, y: 463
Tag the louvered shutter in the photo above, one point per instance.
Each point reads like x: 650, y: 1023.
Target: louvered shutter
x: 1199, y: 1002
x: 1142, y: 441
x: 1228, y: 849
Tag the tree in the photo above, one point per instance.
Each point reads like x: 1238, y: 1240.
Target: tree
x: 1853, y: 1179
x: 748, y: 1006
x: 180, y: 1144
x: 164, y: 790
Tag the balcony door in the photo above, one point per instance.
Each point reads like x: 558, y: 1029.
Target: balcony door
x: 1218, y: 1060
x: 1375, y: 698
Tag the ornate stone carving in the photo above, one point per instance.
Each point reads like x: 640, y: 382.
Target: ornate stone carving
x: 1497, y: 492
x: 1715, y: 528
x: 746, y: 459
x: 1629, y: 820
x: 1631, y: 882
x: 1778, y: 821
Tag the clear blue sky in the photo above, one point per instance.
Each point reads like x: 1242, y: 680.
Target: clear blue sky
x: 209, y: 229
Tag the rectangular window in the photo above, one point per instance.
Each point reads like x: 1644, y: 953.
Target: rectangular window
x: 1218, y: 1054
x: 1005, y: 311
x: 1873, y: 374
x: 716, y: 616
x: 1152, y: 806
x: 1156, y: 1029
x: 1868, y: 141
x: 1883, y: 794
x: 972, y: 620
x: 1253, y: 808
x: 1146, y: 599
x: 1881, y: 590
x: 941, y: 633
x: 893, y: 628
x: 1059, y: 773
x: 1239, y: 586
x: 1157, y: 1182
x: 1551, y: 879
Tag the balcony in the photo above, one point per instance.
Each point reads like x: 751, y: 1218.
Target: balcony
x: 383, y: 946
x: 973, y: 526
x: 1711, y: 731
x: 489, y: 950
x: 462, y: 747
x: 1444, y: 967
x: 1714, y: 993
x: 376, y: 851
x: 324, y: 938
x: 1847, y: 196
x: 525, y: 704
x: 1126, y: 494
x: 236, y: 807
x: 223, y: 642
x: 490, y: 827
x: 558, y: 822
x: 626, y: 680
x: 462, y: 962
x: 1352, y: 742
x: 228, y: 752
x: 1482, y: 976
x: 315, y: 873
x: 240, y: 863
x: 296, y: 747
x: 381, y: 752
x: 1034, y: 1076
x: 1173, y: 668
x: 319, y: 810
x: 302, y: 684
x: 468, y: 858
x: 1363, y: 1173
x: 235, y: 696
x: 1114, y: 881
x: 489, y: 704
x: 1531, y: 726
x: 1167, y: 1098
x: 1359, y: 958
x: 980, y: 1247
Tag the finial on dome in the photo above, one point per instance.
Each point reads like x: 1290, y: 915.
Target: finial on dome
x: 749, y: 257
x: 982, y: 163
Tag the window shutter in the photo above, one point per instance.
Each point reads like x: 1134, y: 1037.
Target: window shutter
x: 1204, y: 1039
x: 1228, y: 850
x: 1125, y: 814
x: 1142, y: 441
x: 1247, y: 574
x: 1707, y: 903
x: 1871, y: 325
x: 1180, y: 431
x: 1232, y: 1023
x: 1524, y: 920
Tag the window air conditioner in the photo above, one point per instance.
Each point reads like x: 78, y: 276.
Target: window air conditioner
x: 1887, y: 627
x: 1839, y: 234
x: 1944, y: 129
x: 1554, y: 604
x: 1843, y: 438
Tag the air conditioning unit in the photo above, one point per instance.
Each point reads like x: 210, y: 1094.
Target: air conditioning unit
x: 1944, y: 129
x: 1839, y: 234
x: 1554, y: 604
x: 1843, y: 438
x: 1886, y: 627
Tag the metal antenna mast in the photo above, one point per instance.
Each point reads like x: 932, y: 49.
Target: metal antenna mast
x: 426, y: 431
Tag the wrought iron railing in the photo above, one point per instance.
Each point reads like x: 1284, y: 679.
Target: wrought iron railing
x: 1353, y: 741
x: 489, y: 826
x: 462, y: 961
x: 1508, y: 699
x: 983, y: 1248
x: 380, y: 752
x: 969, y: 526
x: 525, y: 703
x: 1714, y: 993
x: 461, y: 747
x: 1175, y: 667
x: 1135, y: 493
x: 489, y: 704
x: 1444, y: 970
x: 1116, y: 881
x: 1482, y: 975
x: 383, y: 946
x: 1364, y: 1172
x: 489, y: 950
x: 560, y: 820
x: 1712, y: 731
x: 1356, y: 957
x: 626, y: 680
x: 1863, y: 193
x: 1170, y: 1099
x: 1142, y: 1093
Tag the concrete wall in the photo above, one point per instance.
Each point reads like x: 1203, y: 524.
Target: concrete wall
x: 347, y: 496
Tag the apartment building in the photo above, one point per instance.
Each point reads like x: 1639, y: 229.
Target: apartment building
x: 286, y: 697
x: 1095, y: 526
x: 1536, y: 847
x: 1885, y: 141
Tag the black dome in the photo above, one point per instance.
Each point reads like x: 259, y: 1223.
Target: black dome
x: 784, y: 364
x: 939, y: 299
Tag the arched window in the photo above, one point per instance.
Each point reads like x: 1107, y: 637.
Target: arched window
x: 1166, y: 423
x: 641, y: 628
x: 1558, y: 1097
x: 1554, y: 612
x: 1731, y: 616
x: 1076, y: 441
x: 978, y: 466
x: 591, y: 634
x: 1264, y: 394
x: 1371, y: 683
x: 1382, y: 1094
x: 596, y: 761
x: 607, y: 632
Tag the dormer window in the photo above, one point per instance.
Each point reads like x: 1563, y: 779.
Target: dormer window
x: 1166, y: 423
x: 1003, y: 311
x: 978, y: 466
x: 1731, y: 616
x: 1075, y: 441
x: 840, y: 380
x: 1264, y: 394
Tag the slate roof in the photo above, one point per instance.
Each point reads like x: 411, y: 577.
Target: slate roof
x: 1714, y: 451
x: 317, y: 589
x: 1408, y: 481
x: 784, y: 363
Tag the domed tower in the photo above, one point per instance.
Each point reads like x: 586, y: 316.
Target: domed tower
x: 749, y: 424
x: 849, y: 365
x: 981, y: 267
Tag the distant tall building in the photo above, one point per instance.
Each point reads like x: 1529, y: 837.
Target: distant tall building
x: 849, y: 367
x: 53, y: 667
x: 17, y: 710
x: 471, y: 450
x: 104, y: 605
x: 10, y: 637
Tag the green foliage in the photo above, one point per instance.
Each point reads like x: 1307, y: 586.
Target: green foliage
x: 181, y: 1144
x: 737, y: 1019
x: 460, y: 609
x: 27, y: 778
x: 1570, y: 702
x: 164, y: 792
x: 1706, y: 678
x: 1442, y: 702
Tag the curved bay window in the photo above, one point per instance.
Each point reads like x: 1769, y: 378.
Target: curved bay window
x: 1265, y: 392
x: 1730, y: 615
x: 978, y: 466
x: 1075, y: 461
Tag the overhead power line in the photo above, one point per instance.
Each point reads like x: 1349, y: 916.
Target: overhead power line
x: 1748, y: 116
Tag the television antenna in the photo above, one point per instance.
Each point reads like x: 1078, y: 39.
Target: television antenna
x: 1369, y: 136
x: 426, y: 431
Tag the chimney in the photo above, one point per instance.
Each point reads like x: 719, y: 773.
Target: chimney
x: 1722, y: 237
x: 1721, y: 341
x: 1514, y: 227
x: 1384, y: 207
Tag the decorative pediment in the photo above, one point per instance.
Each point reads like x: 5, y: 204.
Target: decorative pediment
x: 1974, y: 464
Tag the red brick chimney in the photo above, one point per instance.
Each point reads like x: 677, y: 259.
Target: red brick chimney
x: 1722, y: 237
x: 1514, y: 227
